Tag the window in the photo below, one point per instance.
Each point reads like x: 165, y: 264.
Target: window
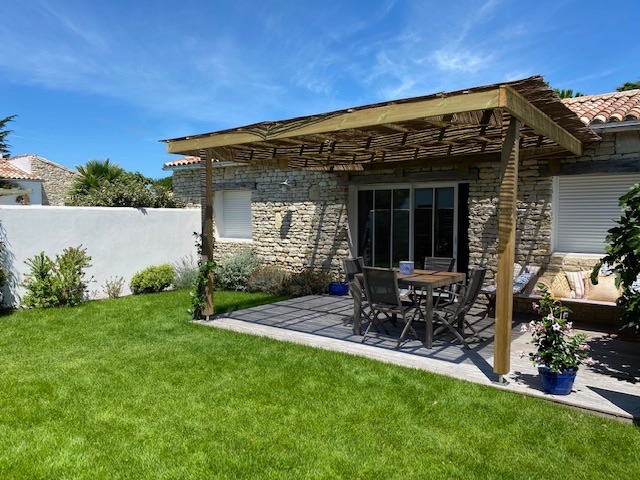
x: 232, y: 213
x: 586, y: 207
x: 405, y: 223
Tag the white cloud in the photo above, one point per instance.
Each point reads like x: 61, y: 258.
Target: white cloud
x: 459, y: 61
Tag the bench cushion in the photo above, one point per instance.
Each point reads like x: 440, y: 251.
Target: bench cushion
x: 560, y: 287
x: 577, y: 282
x: 604, y: 291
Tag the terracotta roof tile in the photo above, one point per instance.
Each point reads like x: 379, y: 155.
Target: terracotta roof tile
x: 10, y: 171
x: 181, y: 162
x: 606, y: 107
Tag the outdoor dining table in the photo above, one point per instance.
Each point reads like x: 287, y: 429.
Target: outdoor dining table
x: 427, y: 281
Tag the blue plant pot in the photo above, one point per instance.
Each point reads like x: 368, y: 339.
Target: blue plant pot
x: 557, y: 383
x: 338, y: 288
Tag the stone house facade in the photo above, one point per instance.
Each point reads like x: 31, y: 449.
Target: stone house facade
x: 314, y: 222
x: 55, y: 179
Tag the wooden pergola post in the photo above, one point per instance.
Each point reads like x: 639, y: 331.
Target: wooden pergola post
x: 206, y: 184
x: 507, y: 216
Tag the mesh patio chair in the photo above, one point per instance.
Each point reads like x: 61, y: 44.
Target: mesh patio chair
x: 352, y: 266
x: 452, y: 316
x: 381, y: 287
x: 361, y: 307
x: 441, y: 264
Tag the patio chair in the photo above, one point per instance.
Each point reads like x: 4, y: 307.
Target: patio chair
x: 361, y: 307
x: 352, y: 266
x: 441, y: 264
x: 383, y: 295
x: 452, y: 315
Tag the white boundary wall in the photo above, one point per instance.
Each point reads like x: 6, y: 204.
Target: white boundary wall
x: 120, y: 241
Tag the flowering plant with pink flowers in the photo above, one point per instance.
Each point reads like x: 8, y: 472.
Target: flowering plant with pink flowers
x: 559, y: 347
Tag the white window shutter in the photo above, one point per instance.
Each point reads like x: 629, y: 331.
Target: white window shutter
x: 236, y: 214
x: 587, y: 207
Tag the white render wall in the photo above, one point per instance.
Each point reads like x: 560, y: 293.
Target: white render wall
x: 121, y: 241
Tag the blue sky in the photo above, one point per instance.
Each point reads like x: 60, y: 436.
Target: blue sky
x: 109, y: 79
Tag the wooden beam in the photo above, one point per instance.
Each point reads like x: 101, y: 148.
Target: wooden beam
x: 535, y: 118
x: 14, y: 191
x: 206, y: 184
x: 381, y: 115
x: 507, y: 216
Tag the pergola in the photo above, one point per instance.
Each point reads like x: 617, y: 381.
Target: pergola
x: 494, y: 123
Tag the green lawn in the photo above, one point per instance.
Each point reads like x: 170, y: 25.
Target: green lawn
x: 128, y: 388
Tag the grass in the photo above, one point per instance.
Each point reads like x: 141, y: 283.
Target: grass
x: 128, y: 388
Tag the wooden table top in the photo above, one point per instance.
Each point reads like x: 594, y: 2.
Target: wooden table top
x: 433, y: 278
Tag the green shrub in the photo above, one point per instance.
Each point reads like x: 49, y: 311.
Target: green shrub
x: 268, y: 278
x: 308, y: 282
x: 186, y: 270
x: 233, y: 271
x: 153, y: 279
x: 126, y: 190
x: 56, y: 283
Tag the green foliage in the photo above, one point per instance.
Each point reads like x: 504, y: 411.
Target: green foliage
x: 57, y: 283
x: 567, y: 93
x: 166, y: 182
x: 153, y: 279
x: 558, y: 347
x: 186, y: 270
x: 198, y: 294
x: 107, y: 185
x: 113, y: 287
x: 94, y: 175
x: 628, y: 86
x: 233, y: 270
x: 308, y: 282
x: 268, y: 278
x: 623, y: 253
x: 4, y: 132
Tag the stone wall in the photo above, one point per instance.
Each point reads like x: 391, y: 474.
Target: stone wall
x: 186, y: 184
x: 533, y: 227
x: 57, y: 180
x: 294, y: 228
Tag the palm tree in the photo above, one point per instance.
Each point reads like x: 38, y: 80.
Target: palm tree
x: 95, y: 174
x: 567, y: 93
x: 4, y: 146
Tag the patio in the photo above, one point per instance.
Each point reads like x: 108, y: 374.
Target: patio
x: 611, y: 387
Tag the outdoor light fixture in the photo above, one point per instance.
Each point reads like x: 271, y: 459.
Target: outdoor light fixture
x: 288, y: 183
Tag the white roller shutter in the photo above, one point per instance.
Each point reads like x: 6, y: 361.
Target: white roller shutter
x: 586, y: 207
x: 233, y: 219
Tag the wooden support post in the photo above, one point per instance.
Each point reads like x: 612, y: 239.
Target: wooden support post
x: 507, y: 215
x: 206, y: 185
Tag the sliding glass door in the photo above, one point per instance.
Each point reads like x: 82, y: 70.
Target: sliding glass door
x: 405, y: 223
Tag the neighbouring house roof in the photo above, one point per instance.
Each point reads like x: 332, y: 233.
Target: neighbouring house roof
x: 182, y: 162
x: 32, y: 156
x: 606, y: 107
x: 441, y: 127
x: 11, y: 172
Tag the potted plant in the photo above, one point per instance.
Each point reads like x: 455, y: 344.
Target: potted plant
x: 560, y: 350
